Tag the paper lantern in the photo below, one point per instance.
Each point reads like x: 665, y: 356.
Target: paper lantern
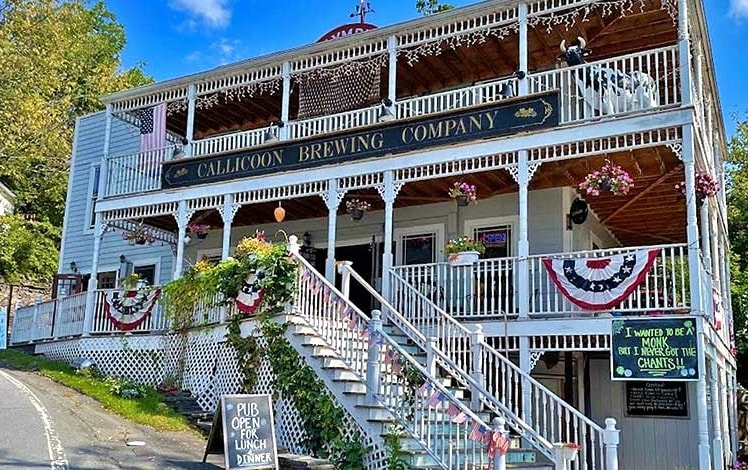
x: 279, y: 213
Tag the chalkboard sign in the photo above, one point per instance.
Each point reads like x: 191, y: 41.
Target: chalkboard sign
x: 244, y: 425
x: 656, y: 349
x: 661, y: 399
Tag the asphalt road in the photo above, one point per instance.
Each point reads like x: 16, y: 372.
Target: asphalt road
x: 44, y: 425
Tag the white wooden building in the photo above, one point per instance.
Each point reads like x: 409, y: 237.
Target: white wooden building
x: 395, y: 116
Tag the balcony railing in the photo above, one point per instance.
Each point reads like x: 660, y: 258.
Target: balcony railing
x: 632, y: 83
x: 489, y: 288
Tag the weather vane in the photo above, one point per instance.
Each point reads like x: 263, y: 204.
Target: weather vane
x: 362, y: 9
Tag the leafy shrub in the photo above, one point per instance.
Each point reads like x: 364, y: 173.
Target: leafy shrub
x: 126, y: 388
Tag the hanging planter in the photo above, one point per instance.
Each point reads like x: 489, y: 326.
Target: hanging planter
x: 356, y: 208
x: 463, y: 193
x: 705, y: 185
x: 199, y: 230
x: 464, y: 251
x: 138, y: 236
x: 610, y: 178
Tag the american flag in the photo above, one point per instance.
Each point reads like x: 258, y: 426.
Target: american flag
x: 152, y: 127
x: 436, y: 398
x: 460, y: 418
x: 478, y: 434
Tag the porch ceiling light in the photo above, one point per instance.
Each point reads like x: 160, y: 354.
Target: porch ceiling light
x: 385, y: 115
x: 279, y: 213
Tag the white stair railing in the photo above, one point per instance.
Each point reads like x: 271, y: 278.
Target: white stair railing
x: 550, y: 416
x: 462, y: 353
x: 393, y: 377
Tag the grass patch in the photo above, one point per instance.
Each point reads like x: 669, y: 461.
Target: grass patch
x: 149, y: 410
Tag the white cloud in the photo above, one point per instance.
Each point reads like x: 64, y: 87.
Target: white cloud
x: 222, y: 52
x: 214, y: 13
x: 739, y: 8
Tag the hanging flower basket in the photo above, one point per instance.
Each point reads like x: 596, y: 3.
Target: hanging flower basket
x: 464, y: 251
x: 463, y: 193
x: 357, y: 208
x: 610, y: 178
x: 705, y: 185
x: 138, y: 236
x: 200, y: 230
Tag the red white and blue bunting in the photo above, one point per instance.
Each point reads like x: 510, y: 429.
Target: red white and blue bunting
x: 128, y: 308
x: 250, y: 294
x: 600, y: 283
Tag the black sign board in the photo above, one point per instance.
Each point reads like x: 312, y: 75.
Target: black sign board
x: 661, y: 399
x: 655, y: 349
x: 243, y: 430
x: 479, y: 122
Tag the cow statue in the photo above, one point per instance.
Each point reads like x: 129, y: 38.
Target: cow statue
x: 608, y: 90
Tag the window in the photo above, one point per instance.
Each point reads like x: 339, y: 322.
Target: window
x: 107, y: 280
x: 419, y: 245
x: 93, y: 192
x: 496, y: 239
x: 419, y: 248
x: 147, y: 273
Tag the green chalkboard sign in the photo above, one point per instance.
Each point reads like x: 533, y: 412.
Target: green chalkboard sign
x: 656, y: 349
x: 243, y: 431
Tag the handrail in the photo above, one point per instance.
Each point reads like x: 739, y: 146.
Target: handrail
x: 450, y: 365
x: 617, y: 249
x: 388, y: 391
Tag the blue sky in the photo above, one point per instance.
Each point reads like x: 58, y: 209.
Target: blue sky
x: 178, y: 37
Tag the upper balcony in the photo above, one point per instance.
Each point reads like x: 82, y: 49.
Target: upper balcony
x: 462, y: 59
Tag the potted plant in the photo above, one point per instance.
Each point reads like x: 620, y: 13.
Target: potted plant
x: 705, y: 184
x: 610, y: 177
x: 132, y: 282
x: 464, y: 251
x: 138, y: 236
x: 201, y: 230
x: 168, y: 386
x: 356, y: 208
x: 463, y: 193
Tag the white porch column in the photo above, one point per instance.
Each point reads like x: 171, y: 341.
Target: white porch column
x: 286, y: 100
x: 523, y: 56
x: 332, y: 199
x: 392, y: 70
x: 227, y: 214
x: 93, y: 282
x: 388, y: 192
x: 692, y: 230
x: 717, y: 447
x: 190, y: 132
x: 706, y: 243
x: 99, y: 228
x: 684, y: 51
x: 182, y: 221
x: 701, y: 402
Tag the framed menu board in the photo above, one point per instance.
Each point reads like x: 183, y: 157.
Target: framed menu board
x: 657, y: 399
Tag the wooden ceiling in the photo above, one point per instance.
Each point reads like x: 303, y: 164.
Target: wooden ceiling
x: 652, y: 213
x: 608, y: 36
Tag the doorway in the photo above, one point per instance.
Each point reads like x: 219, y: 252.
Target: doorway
x: 361, y: 256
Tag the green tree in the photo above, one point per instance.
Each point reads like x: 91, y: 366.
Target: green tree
x: 429, y: 7
x: 737, y: 215
x: 27, y: 250
x: 58, y: 57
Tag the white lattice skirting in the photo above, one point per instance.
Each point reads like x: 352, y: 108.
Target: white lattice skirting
x: 210, y: 370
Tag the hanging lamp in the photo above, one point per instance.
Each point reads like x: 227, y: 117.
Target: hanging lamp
x: 279, y: 213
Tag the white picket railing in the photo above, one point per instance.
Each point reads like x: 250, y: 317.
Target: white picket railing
x: 334, y: 122
x: 504, y: 385
x: 233, y: 142
x: 458, y: 352
x: 22, y: 328
x: 485, y: 289
x: 630, y: 83
x: 380, y: 361
x: 455, y: 99
x: 664, y: 289
x: 136, y: 173
x: 71, y: 313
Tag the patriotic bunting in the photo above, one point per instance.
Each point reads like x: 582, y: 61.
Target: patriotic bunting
x: 600, y: 283
x: 128, y: 309
x: 479, y: 433
x: 250, y: 294
x: 436, y: 399
x: 498, y: 443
